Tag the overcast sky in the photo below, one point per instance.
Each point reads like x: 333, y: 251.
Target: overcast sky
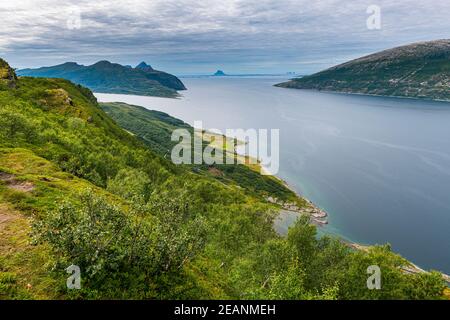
x: 200, y: 36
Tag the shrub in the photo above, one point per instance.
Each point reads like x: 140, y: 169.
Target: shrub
x: 117, y: 250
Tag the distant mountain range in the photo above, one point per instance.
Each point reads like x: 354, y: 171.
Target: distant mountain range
x: 418, y: 70
x: 107, y: 77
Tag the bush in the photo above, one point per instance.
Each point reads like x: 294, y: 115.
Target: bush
x: 129, y: 183
x: 116, y: 250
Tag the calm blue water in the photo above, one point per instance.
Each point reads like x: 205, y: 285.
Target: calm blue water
x: 379, y: 166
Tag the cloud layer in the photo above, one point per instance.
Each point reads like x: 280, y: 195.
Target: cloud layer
x: 195, y: 36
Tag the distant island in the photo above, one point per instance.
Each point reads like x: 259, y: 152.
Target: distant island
x: 418, y: 70
x: 107, y: 77
x: 219, y: 73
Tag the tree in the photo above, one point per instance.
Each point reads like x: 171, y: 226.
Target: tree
x: 303, y: 237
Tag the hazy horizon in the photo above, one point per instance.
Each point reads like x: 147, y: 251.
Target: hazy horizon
x: 192, y: 37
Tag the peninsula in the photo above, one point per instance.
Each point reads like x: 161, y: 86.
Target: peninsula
x: 418, y: 70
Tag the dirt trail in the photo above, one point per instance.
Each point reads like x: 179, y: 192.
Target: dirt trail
x: 6, y: 216
x: 12, y: 183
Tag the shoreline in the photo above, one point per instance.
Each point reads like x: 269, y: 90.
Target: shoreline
x: 367, y: 94
x: 318, y: 215
x: 411, y: 268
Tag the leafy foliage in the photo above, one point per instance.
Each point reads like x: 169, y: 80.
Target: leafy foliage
x: 143, y: 228
x: 116, y: 250
x: 76, y: 135
x: 155, y: 128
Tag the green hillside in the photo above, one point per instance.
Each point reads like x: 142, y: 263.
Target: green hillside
x: 155, y: 128
x: 107, y: 77
x: 419, y: 70
x: 75, y: 188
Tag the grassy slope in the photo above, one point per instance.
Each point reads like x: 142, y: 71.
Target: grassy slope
x: 56, y: 142
x: 23, y: 264
x: 155, y: 129
x: 50, y: 127
x: 61, y: 143
x: 419, y: 70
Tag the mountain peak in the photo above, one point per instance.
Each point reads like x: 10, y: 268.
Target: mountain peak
x: 7, y: 74
x: 108, y: 77
x: 417, y: 70
x: 102, y: 63
x: 144, y: 66
x: 219, y: 73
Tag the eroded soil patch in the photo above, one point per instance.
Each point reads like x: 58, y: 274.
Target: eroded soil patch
x: 12, y: 183
x: 6, y: 216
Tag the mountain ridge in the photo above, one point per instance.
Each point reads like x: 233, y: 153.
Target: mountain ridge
x: 219, y: 73
x: 107, y: 77
x: 417, y: 70
x: 144, y: 66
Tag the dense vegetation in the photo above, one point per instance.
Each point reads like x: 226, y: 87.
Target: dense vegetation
x: 108, y: 77
x: 419, y: 70
x: 155, y: 128
x: 77, y: 189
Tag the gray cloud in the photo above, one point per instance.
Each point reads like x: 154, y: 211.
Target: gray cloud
x: 190, y: 36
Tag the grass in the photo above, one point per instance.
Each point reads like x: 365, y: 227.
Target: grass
x: 52, y: 185
x: 23, y: 267
x: 56, y: 140
x: 155, y: 128
x: 423, y: 75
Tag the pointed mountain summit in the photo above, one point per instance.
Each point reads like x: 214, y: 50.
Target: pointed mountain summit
x: 219, y: 73
x: 144, y: 66
x: 107, y: 77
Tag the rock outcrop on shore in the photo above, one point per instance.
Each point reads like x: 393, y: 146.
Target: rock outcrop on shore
x: 317, y: 215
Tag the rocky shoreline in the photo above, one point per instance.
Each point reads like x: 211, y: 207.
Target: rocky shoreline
x: 318, y: 216
x: 411, y: 268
